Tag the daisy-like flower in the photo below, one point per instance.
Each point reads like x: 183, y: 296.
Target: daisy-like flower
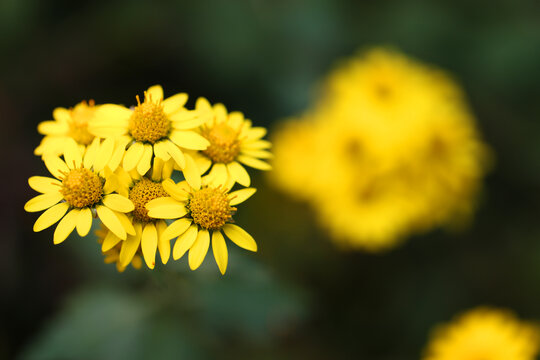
x: 487, y: 334
x: 68, y: 124
x: 147, y: 238
x: 75, y: 195
x: 233, y: 143
x: 163, y: 128
x: 200, y: 215
x: 113, y: 255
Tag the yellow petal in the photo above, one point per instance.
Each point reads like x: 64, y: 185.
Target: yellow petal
x: 236, y: 119
x: 51, y: 216
x: 221, y: 112
x: 110, y: 241
x: 133, y: 155
x: 53, y: 128
x: 256, y: 145
x: 43, y: 201
x: 254, y: 163
x: 160, y: 149
x: 110, y: 117
x: 56, y: 166
x: 155, y: 93
x: 174, y: 103
x: 72, y: 154
x: 44, y: 184
x: 146, y: 160
x: 161, y: 201
x: 91, y: 152
x: 184, y: 242
x: 189, y: 140
x: 239, y: 196
x: 256, y: 133
x: 198, y: 251
x: 220, y: 251
x: 192, y: 173
x: 104, y: 154
x: 62, y: 114
x: 164, y: 246
x: 126, y: 222
x: 168, y: 210
x: 65, y: 226
x: 84, y: 221
x: 119, y: 203
x: 175, y: 229
x: 177, y: 192
x: 239, y: 174
x: 118, y: 153
x: 203, y: 105
x: 190, y: 121
x: 130, y: 246
x: 219, y: 174
x: 177, y: 154
x: 111, y: 221
x: 203, y: 163
x: 240, y: 237
x: 149, y: 244
x: 261, y: 154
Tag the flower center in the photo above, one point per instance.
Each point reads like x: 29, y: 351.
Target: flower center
x: 141, y: 193
x: 224, y: 145
x: 210, y: 208
x: 78, y: 126
x: 82, y: 188
x: 148, y: 123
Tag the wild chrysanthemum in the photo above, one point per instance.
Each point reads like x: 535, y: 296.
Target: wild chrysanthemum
x: 147, y: 238
x: 68, y: 124
x: 159, y: 127
x: 487, y: 334
x: 78, y: 192
x: 200, y: 215
x: 233, y: 143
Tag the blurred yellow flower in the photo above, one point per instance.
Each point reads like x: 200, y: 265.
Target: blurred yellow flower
x: 200, y: 215
x: 234, y: 143
x: 389, y: 149
x: 68, y: 124
x: 113, y: 255
x: 487, y: 334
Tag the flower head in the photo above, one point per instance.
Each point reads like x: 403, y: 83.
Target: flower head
x: 487, y: 334
x: 155, y: 126
x: 233, y: 144
x: 200, y: 215
x: 77, y: 193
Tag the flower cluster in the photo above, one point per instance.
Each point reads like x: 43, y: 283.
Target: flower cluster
x: 117, y: 164
x: 390, y: 148
x: 484, y: 333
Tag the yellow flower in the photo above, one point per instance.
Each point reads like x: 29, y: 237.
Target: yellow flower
x: 163, y: 128
x: 78, y: 192
x: 113, y: 255
x: 68, y: 124
x: 201, y: 214
x: 233, y: 142
x: 487, y: 334
x: 147, y: 238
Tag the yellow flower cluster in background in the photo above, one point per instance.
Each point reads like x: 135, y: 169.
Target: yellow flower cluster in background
x: 390, y: 148
x: 487, y: 334
x: 116, y: 164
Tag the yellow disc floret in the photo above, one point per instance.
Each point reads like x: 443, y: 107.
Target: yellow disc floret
x: 82, y: 188
x: 78, y: 126
x: 210, y: 208
x: 141, y: 193
x: 148, y: 123
x: 224, y: 144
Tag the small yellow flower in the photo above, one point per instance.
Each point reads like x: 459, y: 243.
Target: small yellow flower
x: 487, y: 334
x: 68, y: 124
x: 147, y: 238
x: 233, y: 142
x: 200, y: 215
x: 78, y: 192
x: 163, y: 128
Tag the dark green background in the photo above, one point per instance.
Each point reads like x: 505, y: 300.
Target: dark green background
x: 298, y: 296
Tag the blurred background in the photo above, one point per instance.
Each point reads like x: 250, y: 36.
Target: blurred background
x: 299, y: 296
